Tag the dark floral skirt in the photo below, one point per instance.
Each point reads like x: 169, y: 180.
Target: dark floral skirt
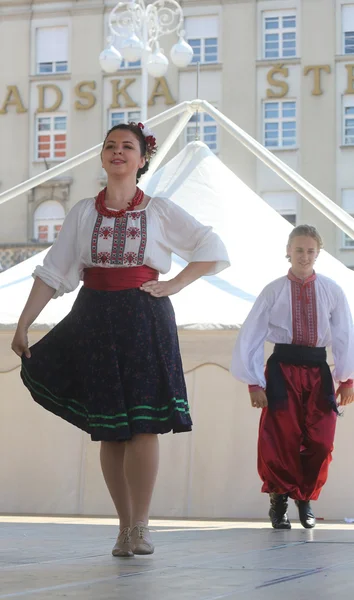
x: 112, y: 366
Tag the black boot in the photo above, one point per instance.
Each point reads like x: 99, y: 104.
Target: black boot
x: 277, y: 511
x: 306, y: 516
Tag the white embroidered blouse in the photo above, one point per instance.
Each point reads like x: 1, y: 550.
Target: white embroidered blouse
x: 314, y: 312
x: 140, y: 237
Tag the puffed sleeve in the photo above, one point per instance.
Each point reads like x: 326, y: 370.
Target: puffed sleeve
x: 342, y: 338
x: 190, y: 239
x: 247, y: 362
x: 61, y: 267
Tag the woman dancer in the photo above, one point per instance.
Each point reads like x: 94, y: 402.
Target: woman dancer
x: 112, y: 366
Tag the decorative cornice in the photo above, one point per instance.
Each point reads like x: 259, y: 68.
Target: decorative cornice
x: 204, y: 67
x: 51, y: 77
x: 56, y: 182
x: 347, y: 58
x: 277, y: 61
x: 42, y: 9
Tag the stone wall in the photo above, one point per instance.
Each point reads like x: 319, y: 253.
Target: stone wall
x: 12, y: 254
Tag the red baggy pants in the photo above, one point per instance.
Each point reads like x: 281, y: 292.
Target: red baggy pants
x: 295, y: 443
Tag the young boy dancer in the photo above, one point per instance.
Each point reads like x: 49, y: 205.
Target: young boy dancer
x: 301, y: 313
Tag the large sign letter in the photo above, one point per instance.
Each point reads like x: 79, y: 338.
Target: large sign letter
x: 41, y: 97
x: 276, y: 82
x: 118, y: 91
x: 161, y: 90
x: 85, y: 95
x: 317, y: 90
x: 13, y: 98
x: 350, y: 88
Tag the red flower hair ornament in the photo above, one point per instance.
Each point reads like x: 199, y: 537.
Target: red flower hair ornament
x: 150, y: 140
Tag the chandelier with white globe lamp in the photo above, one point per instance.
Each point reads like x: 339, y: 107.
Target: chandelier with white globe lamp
x: 138, y: 26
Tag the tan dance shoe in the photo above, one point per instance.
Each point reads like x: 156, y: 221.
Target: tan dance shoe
x: 122, y: 547
x: 141, y: 541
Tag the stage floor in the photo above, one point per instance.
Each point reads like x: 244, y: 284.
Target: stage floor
x: 43, y: 558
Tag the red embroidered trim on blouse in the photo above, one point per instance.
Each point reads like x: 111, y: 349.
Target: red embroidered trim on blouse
x: 304, y: 310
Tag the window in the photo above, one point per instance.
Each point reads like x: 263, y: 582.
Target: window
x: 348, y: 205
x: 280, y: 124
x: 348, y: 121
x: 52, y: 50
x: 205, y: 128
x: 348, y: 28
x: 279, y: 34
x: 285, y: 203
x: 123, y: 116
x: 51, y: 137
x: 48, y: 220
x: 130, y: 65
x: 202, y: 35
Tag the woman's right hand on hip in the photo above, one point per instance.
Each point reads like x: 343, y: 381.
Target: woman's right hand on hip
x: 20, y: 343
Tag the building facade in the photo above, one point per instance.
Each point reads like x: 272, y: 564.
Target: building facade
x: 283, y: 70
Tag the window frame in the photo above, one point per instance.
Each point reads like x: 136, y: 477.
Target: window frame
x: 53, y: 71
x: 53, y: 225
x: 125, y: 112
x: 55, y: 64
x: 344, y: 34
x: 344, y: 6
x: 280, y: 30
x: 344, y: 237
x: 270, y: 197
x: 280, y: 120
x: 203, y: 41
x: 348, y: 102
x: 207, y: 20
x: 129, y: 65
x: 52, y: 130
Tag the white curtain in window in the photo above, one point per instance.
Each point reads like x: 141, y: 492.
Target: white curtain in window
x: 52, y: 44
x: 48, y: 219
x: 202, y: 27
x: 348, y: 100
x: 283, y: 202
x: 347, y: 17
x: 51, y: 209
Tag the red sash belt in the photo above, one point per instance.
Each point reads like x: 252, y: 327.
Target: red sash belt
x: 118, y: 278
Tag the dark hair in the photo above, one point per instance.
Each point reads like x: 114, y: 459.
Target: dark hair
x: 135, y: 129
x: 308, y: 230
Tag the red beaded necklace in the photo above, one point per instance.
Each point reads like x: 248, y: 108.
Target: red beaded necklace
x: 102, y: 209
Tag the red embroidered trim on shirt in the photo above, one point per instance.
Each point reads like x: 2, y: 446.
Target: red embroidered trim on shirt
x: 94, y: 239
x: 255, y: 388
x: 106, y: 232
x: 130, y: 258
x: 103, y: 257
x: 304, y: 310
x: 133, y: 232
x: 346, y: 384
x: 143, y: 237
x: 118, y: 242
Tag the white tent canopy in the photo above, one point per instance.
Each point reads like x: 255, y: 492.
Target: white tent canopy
x: 255, y: 236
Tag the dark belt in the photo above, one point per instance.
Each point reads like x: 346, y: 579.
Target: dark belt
x: 306, y: 356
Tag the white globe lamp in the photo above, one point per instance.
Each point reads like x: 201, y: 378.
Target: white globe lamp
x: 110, y: 59
x: 132, y: 48
x: 157, y: 64
x: 182, y: 53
